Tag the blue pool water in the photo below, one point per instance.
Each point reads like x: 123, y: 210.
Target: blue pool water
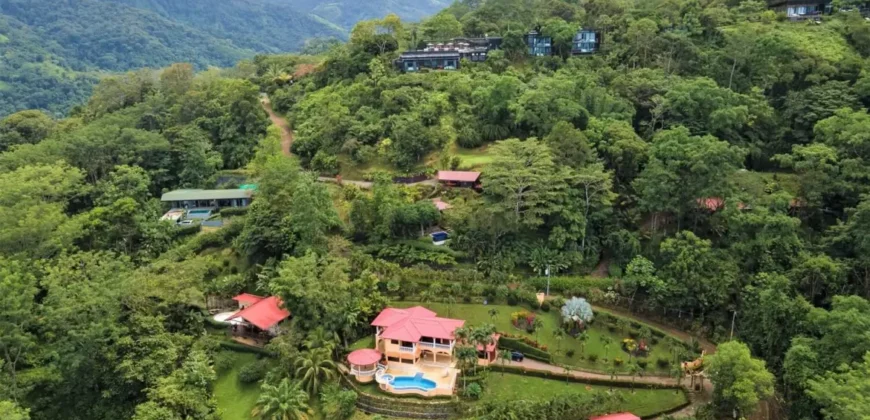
x: 413, y: 382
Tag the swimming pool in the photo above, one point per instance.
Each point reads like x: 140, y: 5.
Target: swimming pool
x: 413, y: 382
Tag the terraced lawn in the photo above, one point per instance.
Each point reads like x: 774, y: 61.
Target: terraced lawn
x: 641, y: 402
x: 476, y: 314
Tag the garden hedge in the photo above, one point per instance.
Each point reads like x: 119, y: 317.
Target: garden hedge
x: 233, y: 211
x: 571, y: 284
x: 239, y: 347
x: 527, y: 350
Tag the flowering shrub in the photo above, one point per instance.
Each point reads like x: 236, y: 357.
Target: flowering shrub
x: 522, y: 319
x: 617, y: 361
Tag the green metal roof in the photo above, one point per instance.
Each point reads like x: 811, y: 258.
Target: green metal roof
x: 185, y: 195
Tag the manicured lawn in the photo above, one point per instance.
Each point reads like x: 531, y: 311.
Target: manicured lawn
x: 364, y: 343
x: 235, y: 400
x: 473, y: 158
x: 476, y: 314
x: 511, y: 387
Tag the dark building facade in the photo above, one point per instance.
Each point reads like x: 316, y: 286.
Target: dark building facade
x: 586, y: 41
x: 446, y: 56
x: 539, y: 45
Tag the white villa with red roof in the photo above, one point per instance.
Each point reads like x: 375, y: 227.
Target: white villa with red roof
x: 413, y: 352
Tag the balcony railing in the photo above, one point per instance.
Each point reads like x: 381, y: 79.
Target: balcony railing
x: 406, y: 349
x: 436, y: 345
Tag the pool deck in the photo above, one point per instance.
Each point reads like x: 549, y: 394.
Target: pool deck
x: 444, y: 376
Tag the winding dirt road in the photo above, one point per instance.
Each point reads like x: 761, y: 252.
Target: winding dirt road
x: 281, y: 123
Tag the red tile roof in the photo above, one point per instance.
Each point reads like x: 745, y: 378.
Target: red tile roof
x: 264, y: 314
x: 247, y: 298
x: 491, y: 346
x: 618, y: 416
x: 363, y: 357
x: 711, y: 203
x: 458, y: 176
x: 413, y: 323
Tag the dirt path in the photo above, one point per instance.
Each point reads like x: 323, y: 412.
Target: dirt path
x: 281, y: 123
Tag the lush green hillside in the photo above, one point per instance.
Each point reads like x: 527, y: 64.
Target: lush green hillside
x: 346, y: 13
x: 259, y: 25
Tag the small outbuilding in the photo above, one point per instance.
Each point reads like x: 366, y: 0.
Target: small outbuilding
x: 465, y: 179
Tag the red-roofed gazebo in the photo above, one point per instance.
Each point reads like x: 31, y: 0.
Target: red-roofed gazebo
x: 364, y: 363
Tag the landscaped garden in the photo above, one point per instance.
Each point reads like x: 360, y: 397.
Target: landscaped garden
x: 602, y: 348
x: 641, y: 402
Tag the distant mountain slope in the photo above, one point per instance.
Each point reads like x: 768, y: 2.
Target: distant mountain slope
x: 346, y: 13
x: 260, y: 25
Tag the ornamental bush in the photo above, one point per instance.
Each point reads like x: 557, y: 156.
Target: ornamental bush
x: 253, y: 372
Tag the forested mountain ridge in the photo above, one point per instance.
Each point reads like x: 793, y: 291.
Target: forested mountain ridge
x: 55, y: 49
x: 347, y: 13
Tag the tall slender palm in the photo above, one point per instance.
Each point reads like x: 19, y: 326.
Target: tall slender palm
x: 481, y: 336
x: 461, y: 334
x: 634, y: 369
x: 606, y: 341
x: 505, y: 356
x: 467, y: 356
x: 537, y: 324
x: 583, y: 337
x: 313, y: 368
x: 567, y: 371
x: 559, y: 335
x: 287, y: 401
x: 678, y: 374
x: 612, y: 372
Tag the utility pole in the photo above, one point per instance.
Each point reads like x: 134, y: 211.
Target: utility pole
x: 548, y: 280
x: 733, y: 318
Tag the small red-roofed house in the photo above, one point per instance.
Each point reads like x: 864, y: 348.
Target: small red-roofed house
x: 459, y: 179
x: 258, y: 317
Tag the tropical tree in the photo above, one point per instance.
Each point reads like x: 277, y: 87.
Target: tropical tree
x: 606, y: 342
x: 493, y: 314
x: 559, y: 335
x: 505, y: 357
x: 582, y: 338
x: 633, y: 370
x: 576, y: 311
x: 467, y: 357
x: 739, y: 380
x: 537, y: 325
x: 287, y: 401
x: 450, y: 300
x: 314, y: 368
x: 678, y: 374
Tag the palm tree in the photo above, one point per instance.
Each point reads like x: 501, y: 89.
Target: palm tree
x: 537, y: 324
x: 582, y: 338
x: 606, y: 341
x: 467, y: 356
x: 678, y: 374
x: 313, y: 368
x: 481, y: 336
x: 558, y: 334
x: 612, y: 372
x: 505, y: 356
x: 493, y: 314
x: 622, y: 324
x: 567, y: 371
x: 634, y: 369
x: 320, y: 338
x: 461, y: 334
x: 283, y: 402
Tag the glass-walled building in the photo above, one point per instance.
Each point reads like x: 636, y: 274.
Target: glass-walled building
x: 586, y: 42
x: 539, y: 45
x: 434, y: 60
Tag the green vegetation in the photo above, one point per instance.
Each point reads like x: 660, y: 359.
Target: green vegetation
x: 711, y: 158
x: 641, y: 402
x: 235, y: 399
x: 597, y: 335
